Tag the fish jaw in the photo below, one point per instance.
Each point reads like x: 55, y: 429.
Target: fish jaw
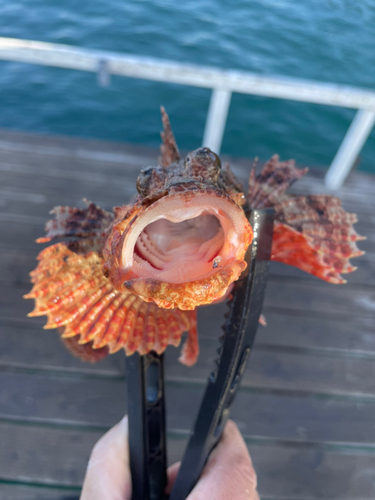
x: 182, y: 251
x: 187, y: 296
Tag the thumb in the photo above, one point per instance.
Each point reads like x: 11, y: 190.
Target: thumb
x: 108, y: 473
x: 229, y: 473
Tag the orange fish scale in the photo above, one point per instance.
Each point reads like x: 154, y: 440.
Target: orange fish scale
x: 48, y: 269
x: 114, y: 327
x: 106, y: 319
x: 135, y: 338
x: 174, y: 329
x: 128, y: 326
x: 58, y: 249
x: 98, y: 327
x: 70, y: 310
x: 150, y: 333
x: 122, y: 337
x: 163, y: 336
x: 69, y: 295
x: 45, y: 287
x: 92, y: 314
x: 92, y: 299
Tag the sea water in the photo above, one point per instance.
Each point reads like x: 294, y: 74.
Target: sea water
x: 321, y: 40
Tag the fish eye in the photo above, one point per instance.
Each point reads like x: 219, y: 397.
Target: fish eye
x: 215, y: 158
x: 211, y: 155
x: 144, y: 180
x: 151, y: 179
x: 205, y: 154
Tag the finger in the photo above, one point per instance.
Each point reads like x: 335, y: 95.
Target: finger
x: 171, y: 477
x: 108, y: 473
x: 229, y: 472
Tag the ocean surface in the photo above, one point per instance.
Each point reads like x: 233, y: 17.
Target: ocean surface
x: 329, y: 41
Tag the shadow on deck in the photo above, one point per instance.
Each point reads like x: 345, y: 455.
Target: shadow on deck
x: 307, y: 404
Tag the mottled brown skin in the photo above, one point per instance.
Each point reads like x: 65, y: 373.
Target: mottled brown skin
x: 201, y: 169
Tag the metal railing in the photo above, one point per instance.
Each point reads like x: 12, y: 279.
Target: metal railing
x: 222, y: 82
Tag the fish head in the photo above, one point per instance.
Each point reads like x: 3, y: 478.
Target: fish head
x: 201, y: 168
x: 183, y: 241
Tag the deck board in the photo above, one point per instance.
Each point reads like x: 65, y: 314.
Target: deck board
x: 293, y: 471
x: 99, y: 403
x: 27, y: 491
x: 307, y: 404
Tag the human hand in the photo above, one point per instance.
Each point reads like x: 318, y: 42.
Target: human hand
x: 228, y: 474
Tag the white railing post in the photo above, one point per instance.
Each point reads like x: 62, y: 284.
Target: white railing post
x: 103, y: 75
x: 216, y: 119
x: 350, y: 148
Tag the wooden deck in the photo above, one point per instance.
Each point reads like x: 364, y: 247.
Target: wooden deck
x: 307, y: 404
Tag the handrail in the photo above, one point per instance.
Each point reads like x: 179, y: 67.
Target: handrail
x: 222, y: 82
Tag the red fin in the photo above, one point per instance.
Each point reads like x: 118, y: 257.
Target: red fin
x: 294, y: 248
x: 313, y: 233
x: 169, y: 150
x: 90, y: 222
x: 71, y: 290
x: 84, y: 352
x: 267, y: 188
x: 190, y: 350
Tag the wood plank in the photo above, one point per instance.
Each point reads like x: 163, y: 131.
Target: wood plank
x: 17, y: 178
x: 309, y: 473
x: 87, y: 161
x: 349, y: 335
x: 57, y: 456
x: 364, y: 274
x: 45, y: 455
x: 22, y: 235
x: 20, y: 202
x: 271, y: 367
x: 32, y: 492
x: 278, y: 368
x: 289, y: 371
x: 100, y: 403
x: 50, y: 455
x: 32, y: 347
x: 323, y: 298
x: 74, y: 147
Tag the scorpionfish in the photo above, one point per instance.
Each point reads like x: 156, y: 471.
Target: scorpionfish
x: 133, y: 279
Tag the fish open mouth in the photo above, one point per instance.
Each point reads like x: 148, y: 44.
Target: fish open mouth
x: 177, y: 252
x: 186, y: 238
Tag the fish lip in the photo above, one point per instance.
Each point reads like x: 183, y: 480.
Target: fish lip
x: 129, y: 224
x: 189, y: 295
x: 194, y: 203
